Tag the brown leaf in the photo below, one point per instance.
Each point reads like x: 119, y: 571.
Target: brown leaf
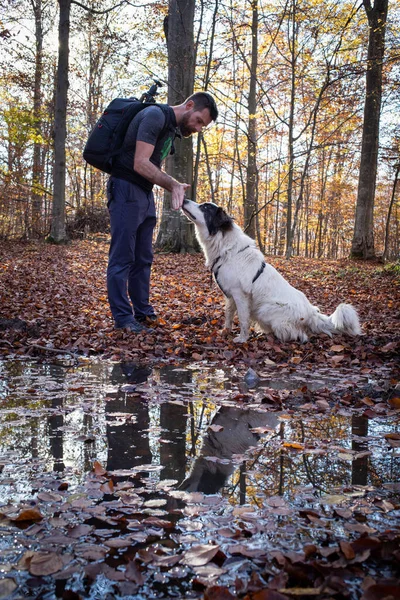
x: 267, y: 595
x: 347, y: 549
x: 98, y: 469
x: 218, y: 592
x: 27, y: 514
x: 199, y: 555
x: 381, y: 591
x: 7, y: 587
x: 216, y: 428
x: 395, y: 402
x: 45, y: 563
x: 293, y: 445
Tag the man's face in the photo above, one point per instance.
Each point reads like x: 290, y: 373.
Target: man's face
x: 194, y: 121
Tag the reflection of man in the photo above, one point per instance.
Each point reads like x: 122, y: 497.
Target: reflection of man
x: 235, y: 437
x: 127, y: 444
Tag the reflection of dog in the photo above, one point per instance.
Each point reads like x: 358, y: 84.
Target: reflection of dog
x: 253, y: 288
x: 235, y: 437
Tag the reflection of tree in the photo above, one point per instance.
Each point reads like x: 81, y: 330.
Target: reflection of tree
x: 173, y: 421
x: 127, y: 436
x: 359, y: 466
x: 56, y: 436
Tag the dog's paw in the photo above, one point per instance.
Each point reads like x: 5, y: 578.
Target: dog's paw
x: 225, y: 331
x: 240, y: 339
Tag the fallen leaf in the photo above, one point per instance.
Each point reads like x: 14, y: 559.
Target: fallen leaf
x: 347, y: 549
x: 45, y: 563
x: 199, y: 555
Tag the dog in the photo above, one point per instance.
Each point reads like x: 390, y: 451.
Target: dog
x: 254, y: 289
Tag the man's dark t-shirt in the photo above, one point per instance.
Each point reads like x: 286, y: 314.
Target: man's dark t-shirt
x: 146, y: 126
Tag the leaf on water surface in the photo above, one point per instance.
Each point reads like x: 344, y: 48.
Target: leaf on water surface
x: 381, y: 591
x: 45, y: 563
x: 7, y: 587
x: 98, y: 469
x: 347, y: 549
x: 216, y: 428
x: 24, y: 514
x: 49, y: 497
x: 293, y: 445
x: 80, y: 530
x: 266, y: 595
x: 107, y: 487
x: 218, y: 592
x: 199, y: 555
x: 333, y: 499
x: 395, y: 402
x: 302, y: 591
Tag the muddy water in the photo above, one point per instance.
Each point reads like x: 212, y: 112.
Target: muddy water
x: 201, y: 427
x: 210, y: 450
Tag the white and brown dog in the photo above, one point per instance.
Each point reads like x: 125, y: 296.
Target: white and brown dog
x: 254, y: 289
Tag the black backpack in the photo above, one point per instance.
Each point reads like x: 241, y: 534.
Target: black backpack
x: 106, y: 139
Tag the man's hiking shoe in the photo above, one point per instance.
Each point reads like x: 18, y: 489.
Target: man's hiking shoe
x: 134, y: 327
x: 147, y: 319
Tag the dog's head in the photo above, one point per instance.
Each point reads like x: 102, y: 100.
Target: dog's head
x: 207, y: 217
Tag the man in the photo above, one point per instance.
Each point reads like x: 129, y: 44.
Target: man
x: 131, y: 202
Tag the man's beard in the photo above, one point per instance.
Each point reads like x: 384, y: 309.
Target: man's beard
x: 186, y: 131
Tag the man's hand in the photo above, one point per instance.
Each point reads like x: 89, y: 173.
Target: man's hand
x: 178, y: 194
x: 143, y: 165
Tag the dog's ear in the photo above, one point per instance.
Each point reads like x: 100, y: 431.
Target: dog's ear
x: 221, y: 222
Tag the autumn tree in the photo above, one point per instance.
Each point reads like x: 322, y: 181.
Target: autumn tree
x: 176, y: 234
x: 363, y: 238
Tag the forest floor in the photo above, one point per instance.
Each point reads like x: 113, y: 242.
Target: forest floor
x: 54, y: 298
x: 308, y: 461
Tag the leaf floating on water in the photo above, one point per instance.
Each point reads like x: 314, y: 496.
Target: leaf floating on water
x: 45, y: 563
x: 98, y: 468
x: 26, y: 514
x: 7, y: 587
x: 199, y: 555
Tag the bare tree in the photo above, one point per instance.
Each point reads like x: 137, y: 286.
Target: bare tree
x: 58, y: 233
x: 363, y: 237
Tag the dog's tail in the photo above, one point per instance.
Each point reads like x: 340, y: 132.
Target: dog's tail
x: 345, y: 320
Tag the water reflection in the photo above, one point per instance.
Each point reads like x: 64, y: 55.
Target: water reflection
x: 190, y: 425
x: 232, y: 432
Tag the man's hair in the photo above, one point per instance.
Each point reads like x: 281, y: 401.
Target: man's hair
x: 203, y: 100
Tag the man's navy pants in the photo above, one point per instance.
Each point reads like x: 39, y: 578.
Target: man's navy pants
x: 133, y: 218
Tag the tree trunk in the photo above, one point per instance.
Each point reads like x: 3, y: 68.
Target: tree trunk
x: 58, y: 233
x: 250, y: 203
x: 37, y: 167
x: 176, y: 233
x: 392, y: 199
x: 363, y: 237
x: 293, y: 58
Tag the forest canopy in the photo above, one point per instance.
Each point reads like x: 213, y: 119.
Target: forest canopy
x: 284, y: 155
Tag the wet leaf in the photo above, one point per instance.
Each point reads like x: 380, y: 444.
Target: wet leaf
x: 347, y: 549
x: 218, y: 592
x: 199, y: 555
x: 7, y: 587
x: 381, y: 591
x: 216, y: 428
x: 293, y: 445
x: 27, y: 514
x: 45, y: 563
x: 98, y: 469
x: 267, y: 595
x: 395, y: 402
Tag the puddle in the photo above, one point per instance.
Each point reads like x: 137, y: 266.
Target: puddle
x: 174, y: 456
